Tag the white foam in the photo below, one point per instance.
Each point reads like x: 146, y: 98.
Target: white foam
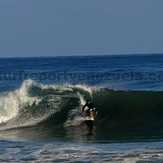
x: 82, y: 101
x: 76, y: 114
x: 58, y: 87
x: 67, y: 87
x: 85, y: 88
x: 77, y: 120
x: 12, y: 102
x: 81, y: 152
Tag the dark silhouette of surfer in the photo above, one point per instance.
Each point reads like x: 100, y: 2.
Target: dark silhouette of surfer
x: 88, y: 112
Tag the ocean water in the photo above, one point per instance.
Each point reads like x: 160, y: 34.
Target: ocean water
x: 41, y: 101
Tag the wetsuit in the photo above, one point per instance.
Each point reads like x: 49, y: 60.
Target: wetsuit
x: 90, y: 106
x: 90, y: 120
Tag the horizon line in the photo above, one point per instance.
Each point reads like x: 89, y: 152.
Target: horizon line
x: 80, y: 55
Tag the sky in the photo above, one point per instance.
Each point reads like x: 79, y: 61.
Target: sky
x: 80, y: 27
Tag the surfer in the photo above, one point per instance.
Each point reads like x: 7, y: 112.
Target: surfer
x: 88, y: 112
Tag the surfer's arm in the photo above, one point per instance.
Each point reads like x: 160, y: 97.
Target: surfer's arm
x: 94, y: 108
x: 83, y: 109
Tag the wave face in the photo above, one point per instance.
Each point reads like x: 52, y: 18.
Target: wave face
x: 37, y: 111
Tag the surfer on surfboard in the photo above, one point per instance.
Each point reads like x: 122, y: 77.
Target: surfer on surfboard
x: 87, y: 110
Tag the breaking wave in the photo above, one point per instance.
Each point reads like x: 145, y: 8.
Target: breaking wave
x: 55, y: 111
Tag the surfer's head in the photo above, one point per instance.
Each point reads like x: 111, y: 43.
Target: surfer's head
x: 88, y: 101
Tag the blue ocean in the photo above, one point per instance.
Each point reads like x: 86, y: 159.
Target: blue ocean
x: 41, y: 100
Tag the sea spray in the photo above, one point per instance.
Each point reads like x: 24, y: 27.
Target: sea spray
x: 75, y: 117
x: 12, y: 102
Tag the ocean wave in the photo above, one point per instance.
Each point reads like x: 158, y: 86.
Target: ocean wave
x: 55, y: 106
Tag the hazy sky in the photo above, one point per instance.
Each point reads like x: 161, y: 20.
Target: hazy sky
x: 77, y: 27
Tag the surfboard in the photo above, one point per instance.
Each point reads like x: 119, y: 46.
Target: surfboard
x: 87, y: 118
x: 90, y: 125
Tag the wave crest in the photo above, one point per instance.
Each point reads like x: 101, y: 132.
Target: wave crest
x: 57, y: 107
